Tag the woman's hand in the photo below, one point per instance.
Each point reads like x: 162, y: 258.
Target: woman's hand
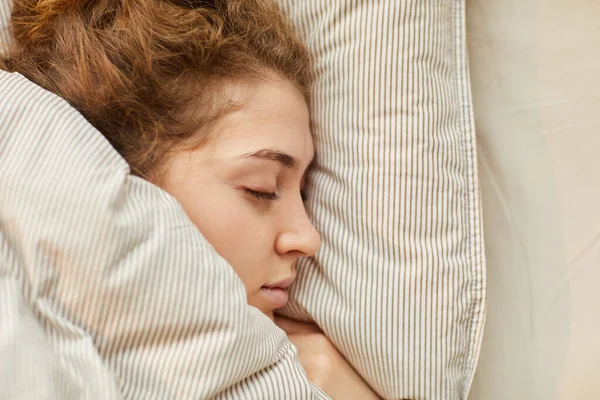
x: 323, y: 363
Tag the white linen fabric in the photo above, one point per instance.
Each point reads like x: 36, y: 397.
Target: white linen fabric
x: 536, y: 84
x: 107, y: 289
x: 399, y: 283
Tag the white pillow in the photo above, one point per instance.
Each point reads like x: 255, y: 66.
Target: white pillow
x: 536, y: 80
x: 5, y: 8
x: 399, y: 283
x: 107, y: 289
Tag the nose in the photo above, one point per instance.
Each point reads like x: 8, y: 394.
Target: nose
x: 298, y: 236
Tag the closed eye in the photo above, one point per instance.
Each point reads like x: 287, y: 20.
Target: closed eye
x: 262, y: 195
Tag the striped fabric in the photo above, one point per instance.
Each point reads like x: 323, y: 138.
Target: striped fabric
x: 107, y: 290
x: 5, y: 7
x: 399, y: 283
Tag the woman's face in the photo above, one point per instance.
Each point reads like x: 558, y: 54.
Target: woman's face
x: 243, y: 188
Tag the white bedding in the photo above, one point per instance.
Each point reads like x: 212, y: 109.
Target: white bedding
x: 536, y: 83
x: 399, y: 284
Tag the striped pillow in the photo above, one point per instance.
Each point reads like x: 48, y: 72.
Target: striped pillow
x: 5, y: 7
x: 399, y: 283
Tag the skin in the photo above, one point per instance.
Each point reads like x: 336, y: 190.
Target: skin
x: 242, y: 189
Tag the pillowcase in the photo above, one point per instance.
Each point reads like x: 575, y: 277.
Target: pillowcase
x: 107, y: 289
x: 399, y: 282
x: 535, y: 84
x: 5, y: 8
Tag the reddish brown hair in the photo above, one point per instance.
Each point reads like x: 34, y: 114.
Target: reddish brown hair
x: 146, y: 73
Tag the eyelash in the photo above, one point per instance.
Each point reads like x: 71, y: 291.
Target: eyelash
x: 270, y: 196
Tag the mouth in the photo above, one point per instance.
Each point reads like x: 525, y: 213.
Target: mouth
x: 277, y: 293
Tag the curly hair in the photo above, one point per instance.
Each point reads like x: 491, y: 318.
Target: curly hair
x: 147, y: 73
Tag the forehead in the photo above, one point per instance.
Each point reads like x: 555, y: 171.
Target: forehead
x: 271, y: 114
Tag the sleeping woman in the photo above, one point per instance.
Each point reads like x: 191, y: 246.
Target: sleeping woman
x: 209, y: 101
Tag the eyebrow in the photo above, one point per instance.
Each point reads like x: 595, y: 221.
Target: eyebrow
x: 274, y: 155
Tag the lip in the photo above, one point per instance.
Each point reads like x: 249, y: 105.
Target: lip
x: 286, y: 283
x: 277, y: 293
x: 278, y: 297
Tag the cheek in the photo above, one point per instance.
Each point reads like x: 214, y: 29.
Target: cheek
x: 236, y: 231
